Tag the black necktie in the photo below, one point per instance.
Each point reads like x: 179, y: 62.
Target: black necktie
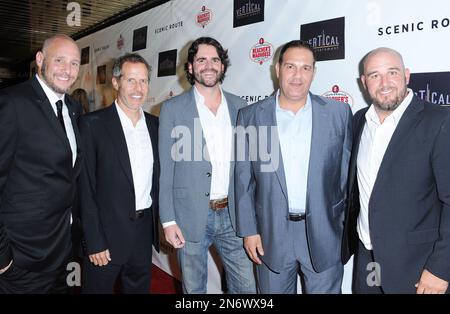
x: 59, y: 105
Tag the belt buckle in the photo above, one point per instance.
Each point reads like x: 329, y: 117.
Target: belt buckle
x: 139, y: 214
x: 296, y: 217
x: 218, y: 204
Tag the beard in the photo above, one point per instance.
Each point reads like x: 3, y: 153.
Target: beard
x: 49, y: 81
x: 208, y: 83
x: 389, y: 104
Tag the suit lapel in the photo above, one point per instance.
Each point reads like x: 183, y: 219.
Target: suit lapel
x: 74, y: 118
x: 318, y: 141
x: 153, y: 135
x: 115, y: 130
x: 232, y: 109
x: 47, y: 109
x: 267, y: 117
x: 357, y: 132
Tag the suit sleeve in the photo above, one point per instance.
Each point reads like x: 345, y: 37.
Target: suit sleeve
x: 90, y: 217
x: 438, y: 262
x: 244, y: 184
x: 167, y: 164
x: 8, y: 140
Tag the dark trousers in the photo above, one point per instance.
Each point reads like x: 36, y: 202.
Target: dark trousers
x: 135, y: 274
x: 365, y: 277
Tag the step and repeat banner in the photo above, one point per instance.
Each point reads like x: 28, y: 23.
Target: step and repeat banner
x: 342, y: 32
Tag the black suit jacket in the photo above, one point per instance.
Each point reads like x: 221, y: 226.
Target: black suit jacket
x: 106, y: 186
x: 37, y: 180
x: 409, y: 208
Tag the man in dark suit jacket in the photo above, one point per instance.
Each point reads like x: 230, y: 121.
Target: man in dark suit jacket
x: 398, y: 219
x: 39, y: 165
x: 119, y: 185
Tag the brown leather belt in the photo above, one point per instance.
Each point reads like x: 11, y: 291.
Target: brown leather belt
x: 218, y: 203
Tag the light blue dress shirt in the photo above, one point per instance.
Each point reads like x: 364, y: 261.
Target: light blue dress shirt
x: 294, y: 130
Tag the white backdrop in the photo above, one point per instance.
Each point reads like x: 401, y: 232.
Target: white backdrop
x: 417, y: 29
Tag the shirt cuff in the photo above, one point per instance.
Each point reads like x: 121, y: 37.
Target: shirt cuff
x: 169, y: 223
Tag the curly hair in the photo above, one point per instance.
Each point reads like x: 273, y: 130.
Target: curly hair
x: 193, y: 49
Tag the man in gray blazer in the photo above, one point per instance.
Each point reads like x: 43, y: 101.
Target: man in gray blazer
x: 290, y: 207
x: 196, y: 183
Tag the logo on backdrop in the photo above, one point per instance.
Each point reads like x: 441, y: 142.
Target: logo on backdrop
x: 167, y: 63
x: 414, y: 26
x: 261, y: 52
x: 167, y: 27
x: 85, y: 55
x: 326, y: 37
x: 432, y: 87
x: 140, y: 38
x: 120, y: 42
x: 339, y: 95
x: 204, y: 17
x: 247, y: 12
x: 250, y: 99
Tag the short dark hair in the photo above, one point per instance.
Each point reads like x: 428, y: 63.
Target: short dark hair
x: 296, y: 44
x: 193, y: 49
x: 128, y: 57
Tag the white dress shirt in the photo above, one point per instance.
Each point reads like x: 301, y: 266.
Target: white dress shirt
x: 374, y: 141
x: 140, y: 152
x: 294, y: 130
x: 53, y: 98
x: 217, y: 131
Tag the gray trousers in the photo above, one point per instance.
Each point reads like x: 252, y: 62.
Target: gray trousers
x: 298, y: 261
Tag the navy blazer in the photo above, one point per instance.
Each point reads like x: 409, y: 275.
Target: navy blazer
x: 409, y: 209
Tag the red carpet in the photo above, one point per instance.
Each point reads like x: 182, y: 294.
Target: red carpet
x: 162, y: 283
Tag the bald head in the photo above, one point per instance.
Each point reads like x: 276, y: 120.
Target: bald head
x: 385, y: 79
x: 380, y: 52
x: 58, y: 37
x: 58, y: 63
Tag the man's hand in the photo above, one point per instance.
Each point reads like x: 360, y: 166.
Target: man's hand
x: 6, y: 268
x: 430, y: 284
x: 253, y: 246
x: 174, y: 236
x: 101, y: 258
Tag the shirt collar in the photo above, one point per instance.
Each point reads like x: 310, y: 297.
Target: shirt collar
x: 396, y: 115
x: 306, y: 107
x: 51, y: 95
x: 124, y: 118
x: 199, y: 99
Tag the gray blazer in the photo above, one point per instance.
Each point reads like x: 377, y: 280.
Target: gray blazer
x: 261, y: 196
x: 185, y: 180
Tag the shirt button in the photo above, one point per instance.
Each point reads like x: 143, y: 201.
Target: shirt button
x: 208, y: 174
x: 207, y: 194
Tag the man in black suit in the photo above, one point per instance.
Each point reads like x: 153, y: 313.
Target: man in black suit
x: 398, y: 220
x: 119, y: 185
x: 39, y: 165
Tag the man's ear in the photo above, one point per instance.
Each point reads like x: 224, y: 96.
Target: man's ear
x: 363, y: 80
x: 407, y: 75
x: 115, y: 83
x: 39, y: 59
